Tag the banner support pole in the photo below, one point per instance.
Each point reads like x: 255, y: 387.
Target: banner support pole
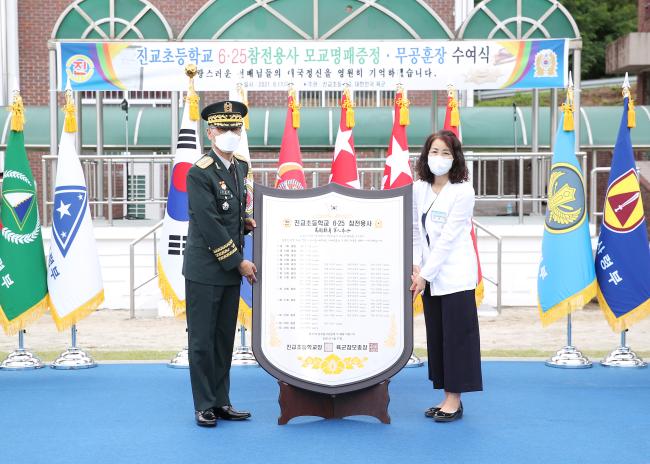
x: 74, y: 357
x: 21, y: 359
x: 569, y: 357
x: 623, y: 356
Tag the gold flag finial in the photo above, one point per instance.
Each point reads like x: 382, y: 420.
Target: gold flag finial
x: 403, y: 103
x: 567, y: 107
x: 243, y: 95
x: 631, y: 113
x: 70, y: 121
x: 17, y: 113
x: 192, y: 97
x: 349, y: 108
x: 454, y: 119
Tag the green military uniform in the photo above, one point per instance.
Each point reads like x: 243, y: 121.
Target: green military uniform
x: 214, y: 251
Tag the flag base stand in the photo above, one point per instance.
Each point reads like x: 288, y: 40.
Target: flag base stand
x: 243, y: 356
x: 21, y: 359
x: 569, y: 358
x: 181, y: 360
x: 623, y: 356
x: 414, y: 361
x: 73, y: 358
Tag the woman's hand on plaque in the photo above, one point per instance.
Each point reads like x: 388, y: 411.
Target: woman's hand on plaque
x: 249, y: 224
x: 418, y: 286
x: 416, y: 273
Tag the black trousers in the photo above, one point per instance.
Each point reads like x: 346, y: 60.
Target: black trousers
x: 453, y: 341
x: 211, y: 323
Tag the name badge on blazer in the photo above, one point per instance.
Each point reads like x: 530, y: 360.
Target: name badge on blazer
x: 439, y: 217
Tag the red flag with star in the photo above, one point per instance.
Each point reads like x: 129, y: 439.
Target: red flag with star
x: 452, y: 123
x: 397, y: 172
x: 290, y: 173
x: 344, y: 164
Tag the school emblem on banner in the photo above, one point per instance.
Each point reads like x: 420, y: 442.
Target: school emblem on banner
x: 69, y: 209
x: 566, y: 199
x: 546, y: 63
x: 623, y: 207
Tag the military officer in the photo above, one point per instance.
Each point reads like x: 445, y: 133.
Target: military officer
x: 214, y: 264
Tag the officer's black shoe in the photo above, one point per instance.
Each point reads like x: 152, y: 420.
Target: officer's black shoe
x: 228, y: 413
x: 205, y: 418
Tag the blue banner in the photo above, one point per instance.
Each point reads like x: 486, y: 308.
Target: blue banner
x: 566, y: 279
x: 623, y: 256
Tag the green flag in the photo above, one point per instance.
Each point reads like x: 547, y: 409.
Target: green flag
x: 23, y: 278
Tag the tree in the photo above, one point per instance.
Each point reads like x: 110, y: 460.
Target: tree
x: 600, y: 22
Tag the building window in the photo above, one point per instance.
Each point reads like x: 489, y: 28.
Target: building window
x: 135, y: 97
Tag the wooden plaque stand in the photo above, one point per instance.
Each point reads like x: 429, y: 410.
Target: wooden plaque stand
x: 371, y: 401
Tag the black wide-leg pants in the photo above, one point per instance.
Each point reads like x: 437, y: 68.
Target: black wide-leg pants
x: 211, y: 324
x: 453, y: 341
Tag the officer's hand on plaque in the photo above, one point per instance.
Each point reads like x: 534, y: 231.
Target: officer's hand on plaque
x: 248, y: 270
x: 249, y: 224
x: 418, y: 286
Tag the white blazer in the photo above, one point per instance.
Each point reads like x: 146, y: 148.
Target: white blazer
x: 448, y: 262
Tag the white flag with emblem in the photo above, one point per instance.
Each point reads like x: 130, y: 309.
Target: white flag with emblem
x: 74, y: 277
x: 173, y: 237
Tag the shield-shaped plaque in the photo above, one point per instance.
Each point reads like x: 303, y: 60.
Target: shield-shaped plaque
x: 332, y: 310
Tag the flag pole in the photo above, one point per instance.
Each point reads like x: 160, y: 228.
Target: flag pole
x: 21, y: 359
x: 74, y: 357
x: 569, y: 357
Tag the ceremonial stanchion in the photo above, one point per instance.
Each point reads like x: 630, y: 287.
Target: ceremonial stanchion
x: 21, y: 359
x: 74, y: 357
x: 414, y: 361
x: 181, y: 360
x: 623, y: 356
x: 243, y: 355
x: 569, y: 357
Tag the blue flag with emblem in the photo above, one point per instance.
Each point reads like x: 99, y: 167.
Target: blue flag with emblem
x: 566, y: 280
x: 622, y: 254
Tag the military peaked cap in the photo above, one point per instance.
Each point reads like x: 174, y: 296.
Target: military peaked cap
x: 225, y: 114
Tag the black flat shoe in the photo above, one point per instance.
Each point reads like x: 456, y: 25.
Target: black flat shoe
x: 431, y: 411
x: 442, y: 416
x: 228, y: 413
x: 205, y: 418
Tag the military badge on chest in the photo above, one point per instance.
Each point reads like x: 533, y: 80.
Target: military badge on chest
x: 225, y: 206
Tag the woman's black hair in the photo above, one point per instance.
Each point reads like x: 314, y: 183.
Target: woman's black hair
x: 458, y: 172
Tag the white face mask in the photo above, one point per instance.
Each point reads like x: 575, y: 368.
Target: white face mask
x: 439, y: 166
x: 227, y: 142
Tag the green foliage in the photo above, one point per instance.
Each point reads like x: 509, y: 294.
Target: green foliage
x: 600, y: 22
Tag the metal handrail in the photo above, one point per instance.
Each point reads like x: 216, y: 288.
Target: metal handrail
x: 132, y: 286
x: 496, y: 282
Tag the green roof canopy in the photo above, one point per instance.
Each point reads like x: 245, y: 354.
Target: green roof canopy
x: 483, y: 127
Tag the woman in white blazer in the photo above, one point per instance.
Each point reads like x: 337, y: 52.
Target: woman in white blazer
x: 445, y: 271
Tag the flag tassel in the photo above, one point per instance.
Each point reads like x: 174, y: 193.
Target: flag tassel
x: 17, y: 114
x: 631, y: 114
x: 78, y: 314
x: 404, y: 117
x: 168, y: 294
x: 295, y: 114
x: 26, y: 318
x: 568, y: 124
x: 455, y: 114
x: 70, y: 122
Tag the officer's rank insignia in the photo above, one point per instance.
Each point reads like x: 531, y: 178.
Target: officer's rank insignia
x: 222, y: 184
x: 225, y: 206
x: 566, y: 199
x: 623, y: 206
x: 204, y: 162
